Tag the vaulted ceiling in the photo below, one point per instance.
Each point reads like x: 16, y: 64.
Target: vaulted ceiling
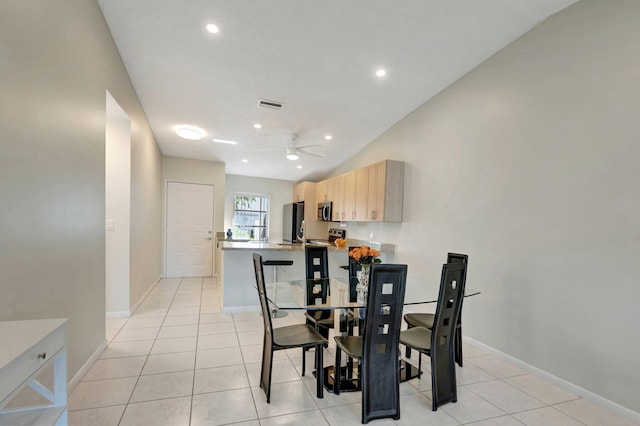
x: 317, y: 58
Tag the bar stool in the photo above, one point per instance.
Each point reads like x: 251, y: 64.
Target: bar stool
x: 275, y: 312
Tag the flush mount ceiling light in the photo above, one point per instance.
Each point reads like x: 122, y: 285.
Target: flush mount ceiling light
x: 258, y: 126
x: 299, y: 166
x: 381, y: 72
x: 225, y: 141
x: 213, y: 28
x: 245, y: 161
x: 191, y: 133
x: 328, y: 137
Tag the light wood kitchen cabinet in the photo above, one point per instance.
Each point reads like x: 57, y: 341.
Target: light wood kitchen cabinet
x: 299, y: 191
x: 385, y: 191
x: 361, y: 194
x: 322, y: 194
x: 306, y: 192
x: 335, y: 190
x: 349, y: 196
x: 369, y: 194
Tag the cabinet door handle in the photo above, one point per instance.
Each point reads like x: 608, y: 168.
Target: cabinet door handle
x: 43, y: 355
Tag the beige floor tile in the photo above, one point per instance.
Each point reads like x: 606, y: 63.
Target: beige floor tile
x: 351, y: 415
x: 218, y: 358
x: 286, y: 398
x: 181, y: 319
x: 496, y: 367
x: 165, y: 412
x: 172, y: 331
x: 216, y: 328
x: 101, y: 393
x: 105, y: 416
x: 545, y: 416
x: 176, y: 344
x: 504, y: 396
x: 217, y: 341
x: 308, y: 418
x: 220, y: 379
x: 221, y: 408
x: 592, y: 415
x: 470, y: 407
x: 113, y: 368
x: 126, y: 349
x: 134, y: 334
x: 160, y: 386
x: 497, y: 421
x: 540, y: 389
x: 169, y: 363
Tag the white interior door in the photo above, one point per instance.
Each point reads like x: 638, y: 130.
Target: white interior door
x: 189, y: 230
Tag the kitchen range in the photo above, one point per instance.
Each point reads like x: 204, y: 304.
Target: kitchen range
x: 334, y: 234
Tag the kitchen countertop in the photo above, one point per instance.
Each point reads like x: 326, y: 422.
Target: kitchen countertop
x: 255, y: 245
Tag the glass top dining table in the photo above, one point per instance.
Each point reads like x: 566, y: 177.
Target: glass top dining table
x: 313, y: 294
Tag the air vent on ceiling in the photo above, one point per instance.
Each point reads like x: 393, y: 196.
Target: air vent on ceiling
x: 269, y: 104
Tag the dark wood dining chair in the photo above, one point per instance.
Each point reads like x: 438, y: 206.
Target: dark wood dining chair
x: 438, y: 343
x: 377, y: 350
x: 317, y: 267
x: 426, y: 320
x: 287, y: 337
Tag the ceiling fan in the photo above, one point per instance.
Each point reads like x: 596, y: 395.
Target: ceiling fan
x: 293, y: 152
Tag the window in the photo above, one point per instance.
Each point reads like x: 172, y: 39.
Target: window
x: 251, y: 217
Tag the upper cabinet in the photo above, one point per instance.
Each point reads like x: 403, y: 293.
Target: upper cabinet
x: 322, y: 194
x: 307, y: 192
x: 385, y: 191
x: 369, y: 194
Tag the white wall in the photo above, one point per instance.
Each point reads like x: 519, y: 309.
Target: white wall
x: 57, y: 61
x: 280, y: 192
x: 530, y: 165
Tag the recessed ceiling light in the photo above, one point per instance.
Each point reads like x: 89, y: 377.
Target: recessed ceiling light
x: 213, y: 28
x: 245, y: 161
x: 328, y: 137
x: 228, y: 142
x: 258, y: 126
x: 299, y: 166
x: 381, y: 72
x: 192, y: 133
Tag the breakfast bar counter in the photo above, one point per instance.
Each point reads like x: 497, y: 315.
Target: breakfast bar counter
x: 237, y: 278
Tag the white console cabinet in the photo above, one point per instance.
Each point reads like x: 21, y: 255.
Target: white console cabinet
x: 27, y: 348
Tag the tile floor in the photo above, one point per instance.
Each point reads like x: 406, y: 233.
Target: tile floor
x: 181, y: 361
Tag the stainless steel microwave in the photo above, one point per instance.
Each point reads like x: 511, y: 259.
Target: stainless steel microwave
x: 324, y: 211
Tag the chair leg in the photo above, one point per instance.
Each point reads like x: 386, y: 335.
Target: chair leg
x: 303, y: 360
x: 319, y: 371
x: 407, y: 349
x: 419, y: 364
x: 336, y: 372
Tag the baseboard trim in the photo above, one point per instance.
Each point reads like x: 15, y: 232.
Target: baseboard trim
x: 77, y: 378
x: 568, y: 386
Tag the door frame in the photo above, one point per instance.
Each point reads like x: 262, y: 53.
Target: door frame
x: 165, y: 208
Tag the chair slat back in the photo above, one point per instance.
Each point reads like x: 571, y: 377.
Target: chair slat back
x: 317, y: 268
x: 262, y: 294
x: 444, y: 326
x: 354, y: 267
x: 380, y: 369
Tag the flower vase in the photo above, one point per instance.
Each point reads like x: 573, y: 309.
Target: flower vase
x: 362, y: 287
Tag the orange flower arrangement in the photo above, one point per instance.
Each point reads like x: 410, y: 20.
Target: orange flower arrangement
x: 364, y: 255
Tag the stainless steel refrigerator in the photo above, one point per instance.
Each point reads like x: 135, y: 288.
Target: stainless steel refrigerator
x: 293, y: 222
